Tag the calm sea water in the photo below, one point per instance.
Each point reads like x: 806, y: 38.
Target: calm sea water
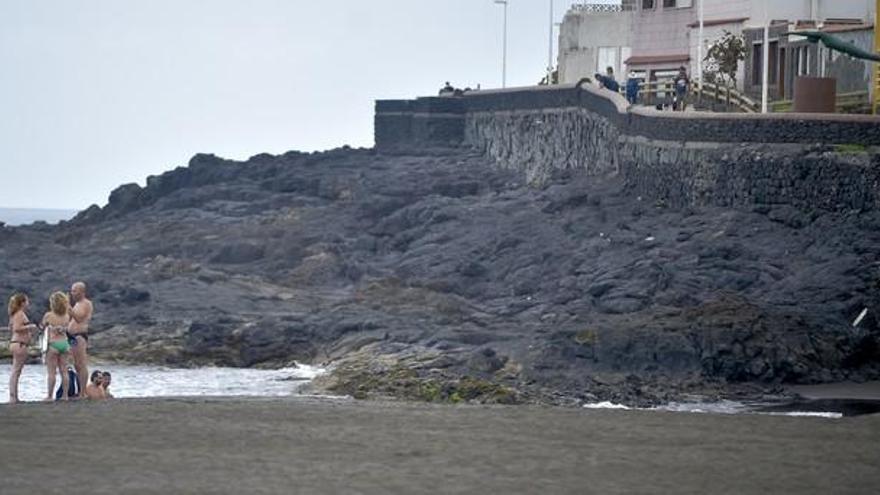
x: 152, y: 381
x: 25, y: 216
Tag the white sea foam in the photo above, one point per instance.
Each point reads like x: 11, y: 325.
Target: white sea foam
x: 605, y: 405
x: 807, y: 414
x: 154, y: 381
x: 720, y: 407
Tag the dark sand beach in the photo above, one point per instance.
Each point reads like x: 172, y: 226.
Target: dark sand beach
x: 308, y: 445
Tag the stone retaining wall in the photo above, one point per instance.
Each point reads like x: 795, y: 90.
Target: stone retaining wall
x: 682, y: 159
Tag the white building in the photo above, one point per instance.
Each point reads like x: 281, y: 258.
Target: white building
x: 593, y: 37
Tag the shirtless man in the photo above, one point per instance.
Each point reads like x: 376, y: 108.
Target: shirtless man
x: 80, y: 316
x: 95, y: 390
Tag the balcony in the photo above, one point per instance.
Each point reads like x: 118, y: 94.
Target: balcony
x: 604, y: 8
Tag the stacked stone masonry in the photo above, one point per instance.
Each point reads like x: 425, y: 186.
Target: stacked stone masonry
x: 685, y: 159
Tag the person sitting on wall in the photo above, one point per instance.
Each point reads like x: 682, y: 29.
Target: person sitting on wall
x: 632, y: 88
x: 607, y: 81
x: 447, y: 90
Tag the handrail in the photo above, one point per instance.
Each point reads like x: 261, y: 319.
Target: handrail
x: 661, y: 91
x: 652, y: 92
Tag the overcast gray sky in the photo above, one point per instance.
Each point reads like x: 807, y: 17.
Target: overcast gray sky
x: 97, y: 93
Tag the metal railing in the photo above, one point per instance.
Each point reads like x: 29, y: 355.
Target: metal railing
x: 662, y: 92
x: 854, y: 102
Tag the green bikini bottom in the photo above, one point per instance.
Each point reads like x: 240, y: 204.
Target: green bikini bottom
x: 62, y: 346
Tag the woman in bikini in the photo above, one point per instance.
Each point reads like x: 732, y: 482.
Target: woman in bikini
x: 56, y: 322
x: 21, y: 329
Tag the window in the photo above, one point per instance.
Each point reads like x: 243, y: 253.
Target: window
x: 774, y: 62
x: 803, y: 61
x: 677, y: 4
x: 668, y: 4
x: 647, y: 4
x: 607, y: 57
x: 757, y: 63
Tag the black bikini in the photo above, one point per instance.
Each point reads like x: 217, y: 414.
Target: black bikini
x: 23, y: 344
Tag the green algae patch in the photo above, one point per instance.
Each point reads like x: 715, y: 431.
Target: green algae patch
x: 586, y: 337
x: 850, y: 149
x: 405, y: 383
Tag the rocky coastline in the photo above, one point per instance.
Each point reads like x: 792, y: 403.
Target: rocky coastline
x: 437, y: 275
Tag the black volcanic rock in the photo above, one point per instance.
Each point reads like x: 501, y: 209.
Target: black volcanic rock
x: 437, y: 275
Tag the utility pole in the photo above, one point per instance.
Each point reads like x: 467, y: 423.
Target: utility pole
x: 700, y: 39
x: 550, y: 48
x: 504, y: 43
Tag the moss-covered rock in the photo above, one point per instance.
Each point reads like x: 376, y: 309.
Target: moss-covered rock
x: 368, y: 374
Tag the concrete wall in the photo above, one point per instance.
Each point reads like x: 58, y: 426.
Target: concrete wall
x: 726, y: 9
x: 794, y: 10
x: 582, y: 34
x: 662, y: 31
x: 681, y: 159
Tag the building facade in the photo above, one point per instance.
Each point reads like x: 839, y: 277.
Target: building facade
x: 661, y: 42
x: 593, y: 37
x: 793, y: 56
x: 662, y: 35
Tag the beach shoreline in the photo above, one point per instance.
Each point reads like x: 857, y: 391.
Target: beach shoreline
x: 330, y: 445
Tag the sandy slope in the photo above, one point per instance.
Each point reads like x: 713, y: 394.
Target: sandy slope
x: 341, y: 446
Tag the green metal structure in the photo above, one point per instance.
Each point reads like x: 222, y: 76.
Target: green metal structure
x: 836, y: 44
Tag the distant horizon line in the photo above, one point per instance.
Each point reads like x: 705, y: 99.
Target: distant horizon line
x: 7, y: 208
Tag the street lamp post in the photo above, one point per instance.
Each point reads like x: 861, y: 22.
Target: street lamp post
x: 504, y: 44
x: 701, y: 14
x: 550, y: 48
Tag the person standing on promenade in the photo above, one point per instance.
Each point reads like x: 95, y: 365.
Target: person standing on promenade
x: 632, y: 88
x: 80, y: 316
x: 56, y: 322
x: 681, y: 83
x: 21, y: 329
